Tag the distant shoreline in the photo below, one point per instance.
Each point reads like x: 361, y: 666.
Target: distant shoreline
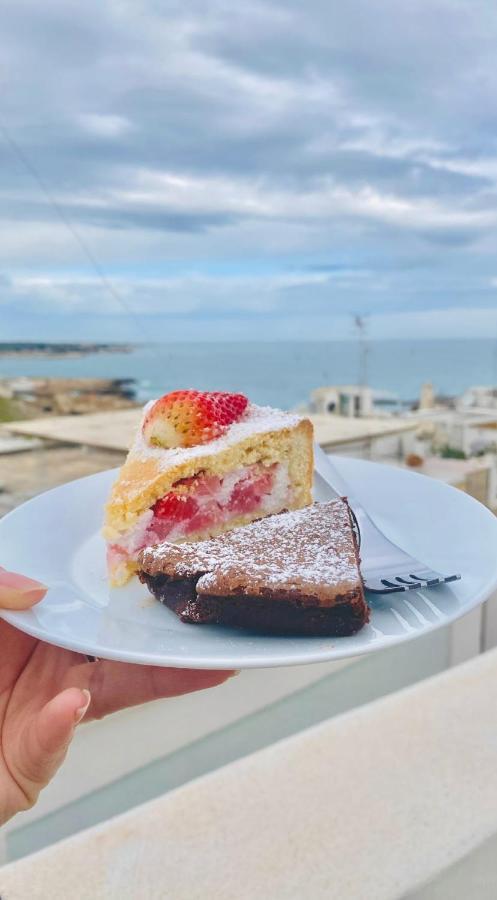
x: 46, y: 350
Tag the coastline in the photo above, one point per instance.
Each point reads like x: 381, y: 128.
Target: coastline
x: 280, y: 374
x: 47, y: 350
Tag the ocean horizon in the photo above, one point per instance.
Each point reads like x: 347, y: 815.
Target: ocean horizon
x: 280, y: 373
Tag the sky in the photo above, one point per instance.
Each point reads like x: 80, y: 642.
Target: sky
x: 213, y: 170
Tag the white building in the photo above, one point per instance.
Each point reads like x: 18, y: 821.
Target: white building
x: 342, y: 400
x: 477, y: 398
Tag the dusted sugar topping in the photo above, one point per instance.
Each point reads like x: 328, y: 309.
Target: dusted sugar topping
x: 309, y: 551
x: 255, y: 420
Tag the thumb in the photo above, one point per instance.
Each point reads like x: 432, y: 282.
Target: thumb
x: 18, y: 591
x: 47, y: 740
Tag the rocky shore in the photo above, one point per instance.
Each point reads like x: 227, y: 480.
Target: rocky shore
x: 26, y: 398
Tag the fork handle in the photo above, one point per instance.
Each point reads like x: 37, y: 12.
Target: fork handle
x: 378, y: 543
x: 331, y: 476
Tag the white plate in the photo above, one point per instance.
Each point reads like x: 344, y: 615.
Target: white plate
x: 55, y: 538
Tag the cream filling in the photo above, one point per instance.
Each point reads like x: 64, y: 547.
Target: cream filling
x: 135, y: 539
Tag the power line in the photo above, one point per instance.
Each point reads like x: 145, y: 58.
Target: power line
x: 84, y: 247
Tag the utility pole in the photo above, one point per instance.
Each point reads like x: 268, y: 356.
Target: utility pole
x: 361, y: 326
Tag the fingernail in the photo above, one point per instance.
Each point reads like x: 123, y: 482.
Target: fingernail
x: 79, y: 714
x: 19, y: 592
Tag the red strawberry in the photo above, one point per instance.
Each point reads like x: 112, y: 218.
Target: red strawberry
x: 187, y: 418
x: 176, y: 507
x: 247, y: 494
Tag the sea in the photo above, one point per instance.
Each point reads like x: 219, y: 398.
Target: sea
x: 283, y: 373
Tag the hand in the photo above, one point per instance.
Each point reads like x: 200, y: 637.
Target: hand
x: 45, y: 692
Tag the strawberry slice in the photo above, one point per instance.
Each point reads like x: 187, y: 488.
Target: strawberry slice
x: 175, y: 507
x: 247, y: 493
x: 207, y: 517
x: 188, y: 418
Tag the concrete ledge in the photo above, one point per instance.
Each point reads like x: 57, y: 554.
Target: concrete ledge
x: 111, y: 430
x: 115, y: 429
x: 369, y: 805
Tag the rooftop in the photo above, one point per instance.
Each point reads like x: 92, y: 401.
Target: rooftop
x: 111, y: 430
x: 332, y: 431
x: 114, y: 430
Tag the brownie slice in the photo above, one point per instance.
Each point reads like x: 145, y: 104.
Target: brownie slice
x: 292, y: 573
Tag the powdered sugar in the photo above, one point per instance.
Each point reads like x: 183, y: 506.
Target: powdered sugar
x: 310, y: 550
x: 255, y: 420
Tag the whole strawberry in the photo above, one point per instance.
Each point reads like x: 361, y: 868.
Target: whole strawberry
x: 188, y: 418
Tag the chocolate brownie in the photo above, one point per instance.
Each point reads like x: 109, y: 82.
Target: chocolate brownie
x: 292, y: 573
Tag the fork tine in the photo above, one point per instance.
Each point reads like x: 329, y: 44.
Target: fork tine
x: 376, y: 586
x: 385, y: 586
x: 397, y: 583
x: 428, y: 577
x: 431, y: 577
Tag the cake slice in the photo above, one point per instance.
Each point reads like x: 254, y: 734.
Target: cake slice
x: 292, y: 573
x: 203, y: 463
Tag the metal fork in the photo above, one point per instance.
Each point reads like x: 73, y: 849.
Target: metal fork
x: 385, y: 567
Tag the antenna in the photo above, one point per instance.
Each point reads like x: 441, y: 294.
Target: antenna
x: 361, y: 326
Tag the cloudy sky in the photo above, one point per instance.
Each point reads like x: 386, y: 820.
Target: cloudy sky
x: 202, y: 168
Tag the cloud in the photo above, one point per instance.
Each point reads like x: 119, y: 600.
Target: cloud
x: 106, y: 126
x: 316, y: 137
x: 186, y: 293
